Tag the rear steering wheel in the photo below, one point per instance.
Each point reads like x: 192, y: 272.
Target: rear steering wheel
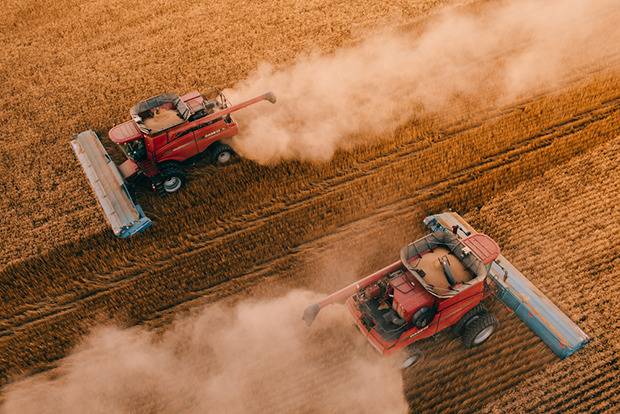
x: 221, y: 154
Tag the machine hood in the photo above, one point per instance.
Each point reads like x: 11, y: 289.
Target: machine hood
x: 125, y: 132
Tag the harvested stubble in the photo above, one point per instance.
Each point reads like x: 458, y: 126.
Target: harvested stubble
x: 455, y: 380
x: 561, y: 230
x: 73, y: 65
x: 558, y: 229
x: 53, y: 299
x: 234, y: 228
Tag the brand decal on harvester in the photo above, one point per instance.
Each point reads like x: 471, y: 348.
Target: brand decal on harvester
x: 210, y: 134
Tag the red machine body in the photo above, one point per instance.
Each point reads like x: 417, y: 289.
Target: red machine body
x: 409, y: 297
x: 438, y: 280
x: 189, y: 126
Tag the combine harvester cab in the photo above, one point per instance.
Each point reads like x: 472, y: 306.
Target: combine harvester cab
x: 543, y: 317
x: 124, y: 216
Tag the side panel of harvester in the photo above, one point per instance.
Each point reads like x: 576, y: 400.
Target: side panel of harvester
x: 544, y: 318
x: 125, y: 217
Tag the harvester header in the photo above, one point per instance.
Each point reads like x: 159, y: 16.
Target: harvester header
x: 124, y: 216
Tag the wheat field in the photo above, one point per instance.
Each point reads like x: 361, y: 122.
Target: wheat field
x: 538, y: 173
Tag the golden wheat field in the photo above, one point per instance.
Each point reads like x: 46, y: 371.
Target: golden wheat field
x: 507, y: 112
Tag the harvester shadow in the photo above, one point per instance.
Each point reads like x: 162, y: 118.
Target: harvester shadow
x: 449, y: 378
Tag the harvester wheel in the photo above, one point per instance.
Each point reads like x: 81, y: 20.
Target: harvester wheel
x: 471, y: 314
x: 171, y: 180
x: 423, y: 317
x: 479, y: 330
x: 222, y: 154
x: 413, y: 357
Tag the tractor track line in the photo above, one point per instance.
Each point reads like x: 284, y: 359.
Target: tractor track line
x: 212, y: 238
x: 450, y: 130
x: 605, y: 62
x: 400, y: 208
x: 462, y: 177
x: 316, y: 188
x: 400, y: 150
x: 341, y: 180
x: 443, y: 182
x: 47, y: 365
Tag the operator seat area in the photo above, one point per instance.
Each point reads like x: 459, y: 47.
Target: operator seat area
x: 159, y: 113
x: 439, y: 263
x: 162, y: 118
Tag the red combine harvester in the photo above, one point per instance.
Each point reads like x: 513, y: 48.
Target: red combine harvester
x: 440, y: 282
x: 164, y: 132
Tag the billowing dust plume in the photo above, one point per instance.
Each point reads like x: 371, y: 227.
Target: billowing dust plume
x: 257, y: 356
x: 504, y: 50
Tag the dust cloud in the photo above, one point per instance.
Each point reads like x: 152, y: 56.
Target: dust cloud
x: 487, y: 57
x: 256, y: 356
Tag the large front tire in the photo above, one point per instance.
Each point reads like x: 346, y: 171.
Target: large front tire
x: 423, y: 317
x: 470, y: 316
x: 222, y: 154
x: 170, y: 180
x: 414, y: 357
x: 479, y: 330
